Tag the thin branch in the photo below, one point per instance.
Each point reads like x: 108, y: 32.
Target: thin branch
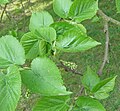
x: 7, y: 15
x: 11, y: 18
x: 107, y: 18
x: 69, y: 69
x: 105, y: 59
x: 23, y: 9
x: 3, y: 11
x: 76, y: 97
x: 80, y: 92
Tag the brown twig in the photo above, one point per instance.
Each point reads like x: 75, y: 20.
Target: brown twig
x: 107, y: 18
x: 80, y: 92
x: 105, y: 59
x: 3, y: 11
x: 69, y: 69
x: 76, y: 97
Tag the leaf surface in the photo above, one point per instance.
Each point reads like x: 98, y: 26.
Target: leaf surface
x: 56, y: 103
x: 10, y: 89
x: 83, y: 9
x: 88, y: 104
x: 102, y: 89
x: 40, y: 19
x: 61, y: 7
x: 90, y: 79
x: 48, y: 34
x: 73, y: 41
x: 118, y: 5
x: 31, y: 45
x: 44, y: 78
x: 11, y: 52
x: 62, y: 27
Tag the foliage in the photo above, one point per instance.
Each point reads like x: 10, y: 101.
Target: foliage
x: 83, y: 9
x: 4, y: 1
x: 62, y: 7
x: 41, y: 78
x: 10, y: 85
x: 88, y: 104
x: 11, y: 52
x: 96, y: 88
x: 118, y: 5
x: 90, y: 79
x: 38, y: 20
x: 102, y: 89
x: 56, y: 103
x: 38, y: 46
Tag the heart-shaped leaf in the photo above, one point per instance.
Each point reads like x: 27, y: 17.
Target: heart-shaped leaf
x: 40, y: 19
x: 83, y: 9
x: 44, y: 78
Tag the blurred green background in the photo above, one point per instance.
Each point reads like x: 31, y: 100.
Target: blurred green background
x: 16, y: 20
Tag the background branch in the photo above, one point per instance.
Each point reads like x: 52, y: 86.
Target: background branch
x: 107, y: 18
x: 3, y: 12
x: 105, y: 59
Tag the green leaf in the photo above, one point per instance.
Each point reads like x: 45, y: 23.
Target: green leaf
x: 90, y: 79
x: 40, y: 19
x: 62, y: 27
x: 82, y: 28
x: 11, y: 52
x: 61, y: 7
x: 4, y: 1
x: 83, y: 9
x: 56, y: 103
x: 10, y: 89
x: 88, y: 104
x: 102, y: 89
x: 44, y: 78
x: 31, y: 45
x: 73, y: 41
x: 35, y: 45
x: 13, y: 33
x: 46, y: 33
x: 43, y: 48
x: 95, y: 19
x: 118, y: 5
